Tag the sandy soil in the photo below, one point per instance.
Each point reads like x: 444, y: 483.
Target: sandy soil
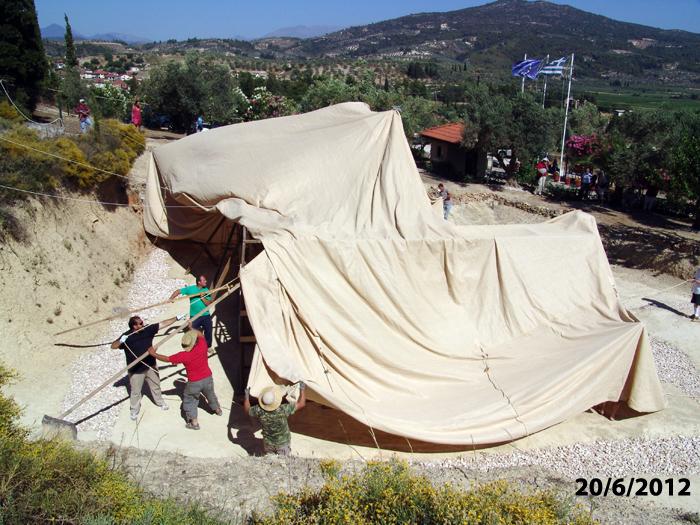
x: 74, y: 266
x: 66, y: 272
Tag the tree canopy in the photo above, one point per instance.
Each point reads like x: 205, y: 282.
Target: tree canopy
x: 496, y: 120
x: 22, y: 60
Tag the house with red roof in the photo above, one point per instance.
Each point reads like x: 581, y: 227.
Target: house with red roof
x: 447, y: 155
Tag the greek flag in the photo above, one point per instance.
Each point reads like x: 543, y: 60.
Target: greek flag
x: 556, y: 67
x: 527, y: 68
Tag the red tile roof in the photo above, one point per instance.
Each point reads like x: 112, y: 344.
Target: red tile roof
x: 448, y: 132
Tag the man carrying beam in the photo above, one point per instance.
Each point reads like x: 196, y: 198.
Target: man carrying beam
x: 136, y: 341
x: 197, y: 304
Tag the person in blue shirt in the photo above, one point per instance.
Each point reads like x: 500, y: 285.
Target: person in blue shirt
x: 200, y: 123
x: 197, y: 304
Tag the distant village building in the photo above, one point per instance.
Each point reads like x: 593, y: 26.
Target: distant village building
x: 447, y: 155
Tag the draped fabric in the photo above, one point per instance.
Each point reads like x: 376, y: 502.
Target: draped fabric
x: 410, y: 324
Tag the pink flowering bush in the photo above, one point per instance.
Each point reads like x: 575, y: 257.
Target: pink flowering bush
x: 263, y: 104
x: 582, y: 145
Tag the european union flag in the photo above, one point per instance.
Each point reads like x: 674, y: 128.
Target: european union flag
x: 527, y: 68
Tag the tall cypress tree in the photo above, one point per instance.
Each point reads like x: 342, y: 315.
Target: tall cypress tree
x: 22, y: 60
x: 72, y: 88
x: 71, y: 58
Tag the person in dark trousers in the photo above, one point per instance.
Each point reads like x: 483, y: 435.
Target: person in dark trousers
x: 200, y: 379
x: 273, y: 415
x: 695, y: 297
x: 586, y: 179
x: 135, y: 342
x: 602, y: 186
x: 197, y: 304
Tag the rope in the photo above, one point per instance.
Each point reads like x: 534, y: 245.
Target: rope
x: 655, y: 294
x: 23, y: 115
x: 126, y: 177
x: 63, y: 158
x: 87, y: 201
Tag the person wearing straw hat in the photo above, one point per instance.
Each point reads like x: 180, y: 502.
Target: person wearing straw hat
x: 273, y: 415
x: 135, y: 342
x: 195, y: 357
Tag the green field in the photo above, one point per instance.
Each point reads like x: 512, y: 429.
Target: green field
x: 609, y: 98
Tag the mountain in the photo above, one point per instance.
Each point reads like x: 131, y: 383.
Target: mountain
x: 112, y: 37
x: 57, y: 32
x: 497, y: 34
x: 302, y: 31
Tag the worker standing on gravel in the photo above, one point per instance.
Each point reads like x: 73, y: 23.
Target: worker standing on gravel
x: 446, y: 200
x: 136, y: 342
x: 197, y: 304
x: 273, y: 417
x: 200, y: 380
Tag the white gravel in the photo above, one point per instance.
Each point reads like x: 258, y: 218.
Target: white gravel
x: 664, y: 456
x: 675, y: 367
x: 150, y: 284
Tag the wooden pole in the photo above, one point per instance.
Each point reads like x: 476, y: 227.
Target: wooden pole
x: 135, y: 310
x: 143, y: 356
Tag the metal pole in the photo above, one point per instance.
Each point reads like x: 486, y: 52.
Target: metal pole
x: 522, y: 82
x: 544, y: 91
x: 566, y: 114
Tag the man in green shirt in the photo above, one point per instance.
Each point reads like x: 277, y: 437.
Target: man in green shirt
x: 273, y: 415
x: 197, y: 304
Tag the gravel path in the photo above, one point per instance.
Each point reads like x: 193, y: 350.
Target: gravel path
x: 675, y: 367
x: 150, y: 284
x: 662, y: 457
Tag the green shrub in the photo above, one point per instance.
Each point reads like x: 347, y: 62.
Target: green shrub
x: 9, y: 113
x: 29, y: 163
x: 390, y: 493
x: 48, y: 481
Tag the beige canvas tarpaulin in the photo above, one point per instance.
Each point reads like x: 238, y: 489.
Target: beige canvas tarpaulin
x: 410, y: 324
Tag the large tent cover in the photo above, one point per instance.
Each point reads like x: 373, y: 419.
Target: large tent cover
x: 405, y: 321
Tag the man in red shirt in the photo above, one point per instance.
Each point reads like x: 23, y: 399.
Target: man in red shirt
x: 542, y: 167
x: 195, y: 357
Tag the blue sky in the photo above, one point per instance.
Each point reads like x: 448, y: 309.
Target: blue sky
x: 163, y: 19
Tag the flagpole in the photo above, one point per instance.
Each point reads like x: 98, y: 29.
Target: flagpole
x: 544, y: 91
x: 522, y: 82
x: 566, y: 115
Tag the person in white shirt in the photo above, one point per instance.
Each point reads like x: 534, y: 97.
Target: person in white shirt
x: 695, y: 299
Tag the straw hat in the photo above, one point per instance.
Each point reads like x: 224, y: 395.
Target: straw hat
x: 188, y: 340
x: 270, y: 398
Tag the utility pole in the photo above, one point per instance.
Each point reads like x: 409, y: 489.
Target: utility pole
x: 566, y: 115
x: 544, y: 91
